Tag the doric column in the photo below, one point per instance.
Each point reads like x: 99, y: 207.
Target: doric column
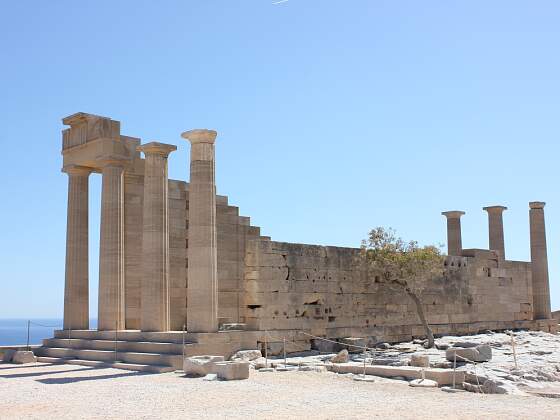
x: 539, y: 262
x: 155, y: 239
x: 496, y: 229
x: 202, y: 291
x: 111, y: 247
x: 76, y: 285
x: 454, y: 241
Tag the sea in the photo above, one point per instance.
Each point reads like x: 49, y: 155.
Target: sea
x: 14, y: 331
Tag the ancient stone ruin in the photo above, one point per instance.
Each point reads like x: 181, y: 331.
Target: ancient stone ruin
x: 175, y: 257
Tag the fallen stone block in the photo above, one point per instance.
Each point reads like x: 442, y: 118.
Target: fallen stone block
x: 484, y: 353
x: 325, y: 346
x: 8, y: 355
x: 419, y: 360
x: 200, y: 365
x: 423, y: 383
x: 494, y: 386
x: 231, y: 371
x: 341, y: 357
x: 353, y: 344
x: 22, y: 357
x: 311, y: 368
x: 246, y: 355
x: 472, y: 388
x: 210, y: 377
x: 481, y: 353
x: 259, y: 363
x: 441, y: 376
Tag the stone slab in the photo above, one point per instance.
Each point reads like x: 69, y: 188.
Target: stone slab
x: 23, y: 357
x: 8, y: 355
x: 200, y: 365
x: 230, y: 371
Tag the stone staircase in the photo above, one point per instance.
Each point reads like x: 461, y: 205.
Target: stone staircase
x: 141, y: 351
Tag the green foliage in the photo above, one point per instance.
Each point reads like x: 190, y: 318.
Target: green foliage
x: 403, y: 266
x: 395, y: 262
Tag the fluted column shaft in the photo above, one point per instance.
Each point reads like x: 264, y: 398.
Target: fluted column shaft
x: 496, y: 229
x: 76, y: 285
x: 155, y: 239
x: 454, y: 240
x: 539, y: 262
x: 111, y: 249
x: 202, y: 292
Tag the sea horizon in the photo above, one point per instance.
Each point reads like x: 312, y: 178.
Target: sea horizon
x: 13, y: 331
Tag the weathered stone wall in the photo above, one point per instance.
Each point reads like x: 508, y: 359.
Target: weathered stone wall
x: 233, y: 233
x: 320, y: 290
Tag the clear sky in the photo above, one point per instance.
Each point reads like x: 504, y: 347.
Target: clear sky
x: 333, y: 117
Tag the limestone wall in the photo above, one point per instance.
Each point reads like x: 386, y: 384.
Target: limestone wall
x: 318, y: 289
x: 233, y: 233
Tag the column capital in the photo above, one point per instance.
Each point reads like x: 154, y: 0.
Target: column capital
x: 155, y: 148
x: 77, y: 170
x: 495, y: 209
x: 537, y: 205
x: 454, y: 214
x: 200, y: 136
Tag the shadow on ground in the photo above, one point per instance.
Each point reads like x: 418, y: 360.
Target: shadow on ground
x: 52, y: 372
x: 73, y: 379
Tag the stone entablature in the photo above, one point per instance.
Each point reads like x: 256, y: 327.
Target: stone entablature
x: 88, y: 127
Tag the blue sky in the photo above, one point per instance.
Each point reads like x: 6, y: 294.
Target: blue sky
x: 333, y: 117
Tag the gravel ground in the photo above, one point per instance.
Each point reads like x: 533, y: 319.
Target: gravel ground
x: 67, y: 391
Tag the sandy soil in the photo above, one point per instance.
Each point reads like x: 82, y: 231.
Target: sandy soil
x: 67, y: 391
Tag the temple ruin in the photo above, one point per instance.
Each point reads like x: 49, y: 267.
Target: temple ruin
x: 175, y: 257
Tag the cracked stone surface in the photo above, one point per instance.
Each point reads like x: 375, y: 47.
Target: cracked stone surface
x: 538, y: 360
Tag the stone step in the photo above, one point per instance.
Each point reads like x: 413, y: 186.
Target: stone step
x: 107, y: 356
x: 116, y: 365
x: 175, y: 337
x: 247, y: 338
x: 125, y: 346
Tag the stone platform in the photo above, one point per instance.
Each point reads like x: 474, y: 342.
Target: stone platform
x: 137, y: 350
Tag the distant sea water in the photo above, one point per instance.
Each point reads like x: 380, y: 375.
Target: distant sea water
x: 14, y: 331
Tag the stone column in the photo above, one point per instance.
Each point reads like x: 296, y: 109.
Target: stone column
x: 496, y: 229
x: 76, y: 285
x: 202, y: 291
x: 111, y: 247
x: 155, y: 240
x: 539, y: 262
x: 454, y: 241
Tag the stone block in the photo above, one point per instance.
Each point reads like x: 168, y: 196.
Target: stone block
x: 354, y: 344
x: 22, y: 357
x: 246, y: 355
x: 341, y: 357
x: 233, y: 370
x: 8, y: 355
x: 420, y: 360
x: 325, y: 346
x: 200, y: 365
x: 481, y: 353
x: 423, y: 383
x: 441, y: 376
